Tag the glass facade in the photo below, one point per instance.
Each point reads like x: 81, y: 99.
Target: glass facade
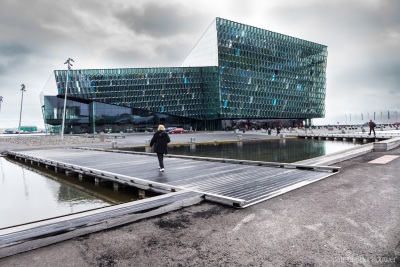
x: 91, y: 116
x: 234, y: 72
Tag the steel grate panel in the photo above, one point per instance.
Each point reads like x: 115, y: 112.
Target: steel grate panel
x: 238, y: 183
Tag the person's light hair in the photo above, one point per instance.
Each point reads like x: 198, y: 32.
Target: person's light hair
x: 161, y: 127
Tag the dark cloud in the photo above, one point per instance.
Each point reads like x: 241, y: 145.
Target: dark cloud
x: 161, y: 19
x: 10, y: 49
x: 13, y: 54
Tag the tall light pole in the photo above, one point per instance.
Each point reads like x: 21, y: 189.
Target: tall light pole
x: 69, y: 64
x: 20, y: 112
x: 346, y: 120
x: 1, y: 100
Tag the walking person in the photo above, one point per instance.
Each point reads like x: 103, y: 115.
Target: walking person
x: 372, y: 126
x: 159, y: 141
x: 278, y: 130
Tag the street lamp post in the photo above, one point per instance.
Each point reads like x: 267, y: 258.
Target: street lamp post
x: 69, y: 64
x: 346, y: 120
x: 20, y: 112
x: 1, y: 100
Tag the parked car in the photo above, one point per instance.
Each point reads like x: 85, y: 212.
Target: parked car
x: 177, y: 130
x: 169, y: 129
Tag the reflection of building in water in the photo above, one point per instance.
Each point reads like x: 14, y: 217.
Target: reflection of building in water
x: 234, y: 72
x: 276, y: 150
x: 192, y: 147
x: 69, y: 194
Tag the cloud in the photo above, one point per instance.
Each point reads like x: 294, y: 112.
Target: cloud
x: 160, y: 19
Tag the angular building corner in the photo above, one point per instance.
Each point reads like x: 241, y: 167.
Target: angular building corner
x: 234, y: 73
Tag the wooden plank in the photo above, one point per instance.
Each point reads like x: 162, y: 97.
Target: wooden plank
x: 19, y: 239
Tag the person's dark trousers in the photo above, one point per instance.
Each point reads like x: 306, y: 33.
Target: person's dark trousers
x: 160, y: 157
x: 371, y: 130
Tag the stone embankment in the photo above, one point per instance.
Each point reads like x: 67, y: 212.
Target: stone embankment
x: 49, y: 140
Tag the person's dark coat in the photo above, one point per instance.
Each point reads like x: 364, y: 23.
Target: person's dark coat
x: 159, y: 141
x: 372, y: 125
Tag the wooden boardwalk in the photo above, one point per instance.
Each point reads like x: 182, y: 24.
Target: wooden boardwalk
x: 187, y: 179
x: 238, y: 183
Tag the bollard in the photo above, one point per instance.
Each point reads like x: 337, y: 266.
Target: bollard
x: 240, y: 137
x: 192, y: 140
x: 114, y: 144
x: 101, y: 137
x: 147, y: 142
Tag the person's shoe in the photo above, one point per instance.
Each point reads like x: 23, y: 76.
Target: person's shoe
x: 161, y: 169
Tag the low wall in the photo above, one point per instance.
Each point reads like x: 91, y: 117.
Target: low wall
x: 386, y: 145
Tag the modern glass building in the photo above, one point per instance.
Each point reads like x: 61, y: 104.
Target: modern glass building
x: 234, y: 72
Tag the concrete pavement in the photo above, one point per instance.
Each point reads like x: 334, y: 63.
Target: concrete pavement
x: 350, y: 219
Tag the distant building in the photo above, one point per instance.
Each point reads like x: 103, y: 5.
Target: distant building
x: 234, y: 72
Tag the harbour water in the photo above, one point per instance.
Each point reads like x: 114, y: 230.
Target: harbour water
x: 273, y: 150
x: 27, y: 195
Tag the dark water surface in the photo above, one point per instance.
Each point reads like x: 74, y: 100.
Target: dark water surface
x: 28, y: 196
x: 274, y: 150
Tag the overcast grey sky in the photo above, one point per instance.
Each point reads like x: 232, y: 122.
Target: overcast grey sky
x: 37, y: 36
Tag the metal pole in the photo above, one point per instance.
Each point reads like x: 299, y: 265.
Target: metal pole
x: 20, y: 112
x: 68, y: 62
x: 1, y: 100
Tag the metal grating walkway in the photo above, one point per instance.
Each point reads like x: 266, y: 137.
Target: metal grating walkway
x: 232, y: 182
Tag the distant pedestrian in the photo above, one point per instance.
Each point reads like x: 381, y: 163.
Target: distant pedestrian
x: 372, y: 126
x: 159, y: 141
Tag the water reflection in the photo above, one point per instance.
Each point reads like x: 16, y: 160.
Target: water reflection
x: 274, y: 150
x: 27, y: 196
